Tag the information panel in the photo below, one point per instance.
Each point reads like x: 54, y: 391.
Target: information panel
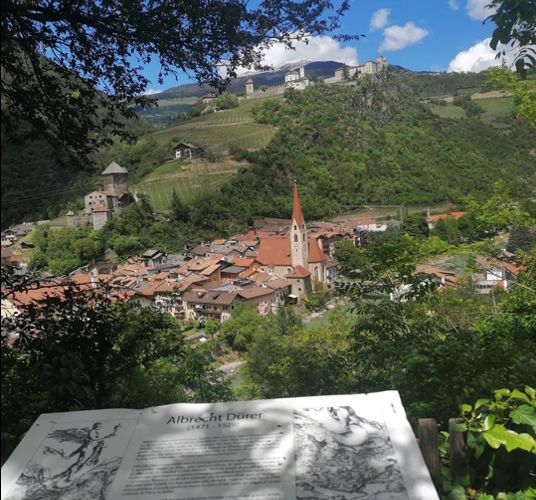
x: 344, y: 447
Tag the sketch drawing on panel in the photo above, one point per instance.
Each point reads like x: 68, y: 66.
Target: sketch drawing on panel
x: 340, y: 455
x: 87, y: 458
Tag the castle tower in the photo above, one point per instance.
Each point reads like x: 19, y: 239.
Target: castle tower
x: 302, y: 72
x: 249, y: 87
x: 115, y: 180
x: 298, y: 234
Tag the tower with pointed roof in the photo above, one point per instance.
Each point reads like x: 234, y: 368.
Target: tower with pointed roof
x: 115, y: 179
x: 298, y: 234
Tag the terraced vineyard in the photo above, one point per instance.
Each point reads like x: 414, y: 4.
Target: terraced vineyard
x: 188, y: 181
x: 223, y: 130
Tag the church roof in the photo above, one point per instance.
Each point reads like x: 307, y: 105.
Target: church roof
x: 249, y: 80
x: 276, y: 252
x: 297, y: 214
x: 114, y: 168
x: 299, y: 272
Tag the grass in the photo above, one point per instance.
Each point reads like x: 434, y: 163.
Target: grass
x: 221, y: 131
x: 494, y: 108
x: 188, y: 181
x: 448, y: 111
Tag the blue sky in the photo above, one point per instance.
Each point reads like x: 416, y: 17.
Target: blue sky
x: 422, y: 35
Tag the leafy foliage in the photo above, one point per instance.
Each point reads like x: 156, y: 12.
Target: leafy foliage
x: 515, y: 22
x: 79, y: 350
x: 500, y: 433
x: 524, y: 92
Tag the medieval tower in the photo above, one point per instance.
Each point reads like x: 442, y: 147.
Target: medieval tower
x: 250, y: 89
x: 114, y: 180
x: 298, y: 234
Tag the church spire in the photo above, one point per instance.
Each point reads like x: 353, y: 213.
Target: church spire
x: 297, y: 214
x: 298, y: 234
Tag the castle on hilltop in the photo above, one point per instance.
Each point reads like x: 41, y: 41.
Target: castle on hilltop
x: 298, y: 80
x: 359, y: 71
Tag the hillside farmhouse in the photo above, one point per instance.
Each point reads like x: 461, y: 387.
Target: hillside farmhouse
x: 186, y: 151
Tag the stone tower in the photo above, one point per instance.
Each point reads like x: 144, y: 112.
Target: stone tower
x: 298, y: 234
x: 115, y: 180
x: 249, y: 87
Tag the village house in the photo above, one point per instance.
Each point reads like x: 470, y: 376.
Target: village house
x: 186, y: 151
x: 153, y: 258
x: 212, y: 304
x: 494, y: 274
x: 432, y: 220
x: 208, y: 98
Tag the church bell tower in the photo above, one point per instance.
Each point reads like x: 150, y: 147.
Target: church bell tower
x: 298, y: 234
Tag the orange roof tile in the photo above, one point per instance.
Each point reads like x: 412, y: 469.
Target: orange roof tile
x: 276, y: 252
x: 242, y: 261
x: 299, y: 272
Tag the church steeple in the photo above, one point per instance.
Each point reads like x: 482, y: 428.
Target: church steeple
x: 298, y: 234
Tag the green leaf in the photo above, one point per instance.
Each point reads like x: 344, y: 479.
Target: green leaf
x: 516, y: 394
x: 489, y: 422
x: 459, y: 427
x: 531, y: 392
x: 515, y: 441
x: 495, y: 436
x: 525, y: 414
x: 457, y: 493
x: 479, y: 449
x: 499, y: 393
x: 481, y: 402
x: 465, y: 408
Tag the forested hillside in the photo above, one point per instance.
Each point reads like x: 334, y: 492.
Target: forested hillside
x: 373, y: 143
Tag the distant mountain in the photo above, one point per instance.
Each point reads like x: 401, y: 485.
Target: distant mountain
x: 317, y: 69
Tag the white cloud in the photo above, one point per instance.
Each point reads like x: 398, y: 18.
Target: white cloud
x: 319, y: 48
x: 480, y: 57
x: 151, y: 91
x: 379, y: 19
x: 477, y: 9
x: 454, y: 5
x: 400, y: 37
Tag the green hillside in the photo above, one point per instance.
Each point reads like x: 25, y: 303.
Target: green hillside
x: 373, y: 143
x: 188, y: 181
x: 495, y: 109
x: 222, y: 131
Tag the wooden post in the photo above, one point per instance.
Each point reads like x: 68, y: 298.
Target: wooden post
x: 428, y: 434
x: 457, y: 450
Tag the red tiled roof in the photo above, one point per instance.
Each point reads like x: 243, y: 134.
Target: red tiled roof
x: 435, y: 218
x: 242, y: 261
x: 299, y: 272
x: 297, y: 214
x: 276, y: 252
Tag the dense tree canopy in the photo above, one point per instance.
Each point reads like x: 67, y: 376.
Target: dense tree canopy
x: 515, y: 22
x: 65, y: 62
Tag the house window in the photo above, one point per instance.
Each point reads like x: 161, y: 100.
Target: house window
x: 295, y: 238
